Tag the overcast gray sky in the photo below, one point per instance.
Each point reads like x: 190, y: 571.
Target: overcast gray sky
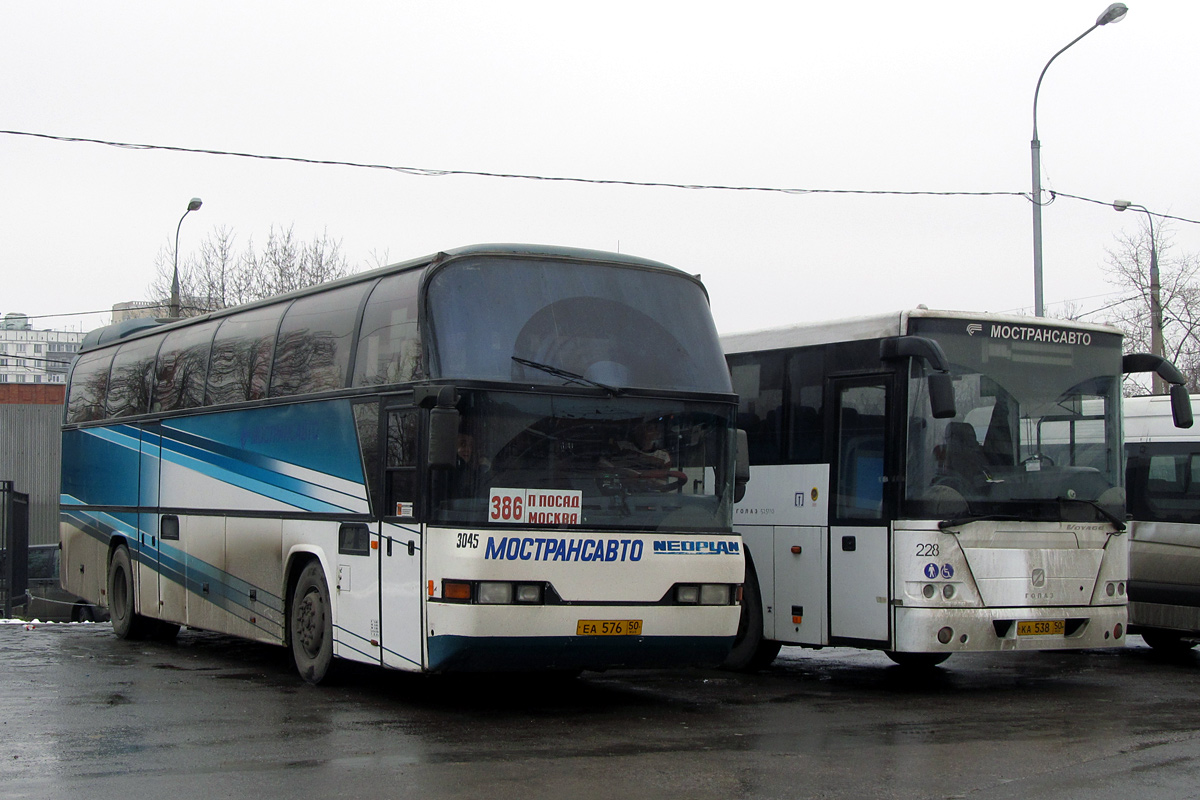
x: 873, y: 96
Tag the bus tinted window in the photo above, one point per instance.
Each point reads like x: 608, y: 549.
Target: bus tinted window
x: 241, y: 356
x: 312, y: 353
x: 624, y: 327
x: 758, y: 383
x: 389, y: 346
x: 182, y: 365
x: 806, y: 380
x: 89, y: 387
x: 132, y: 377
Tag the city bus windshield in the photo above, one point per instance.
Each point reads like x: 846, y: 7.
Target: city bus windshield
x: 573, y: 323
x: 588, y: 461
x: 1037, y: 433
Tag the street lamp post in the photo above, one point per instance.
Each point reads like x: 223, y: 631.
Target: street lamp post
x: 1114, y: 13
x: 1156, y: 315
x: 193, y: 204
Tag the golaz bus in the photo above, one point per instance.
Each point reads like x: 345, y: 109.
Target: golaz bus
x: 497, y: 457
x: 929, y: 482
x: 1162, y: 477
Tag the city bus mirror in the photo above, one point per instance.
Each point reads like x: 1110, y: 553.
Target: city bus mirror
x: 941, y: 395
x: 442, y: 437
x: 741, y: 475
x: 1181, y: 406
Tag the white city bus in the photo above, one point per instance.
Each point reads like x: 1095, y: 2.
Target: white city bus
x: 494, y: 458
x: 1162, y: 477
x: 927, y: 483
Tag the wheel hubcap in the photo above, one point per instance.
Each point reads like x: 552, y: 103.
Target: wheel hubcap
x: 310, y: 623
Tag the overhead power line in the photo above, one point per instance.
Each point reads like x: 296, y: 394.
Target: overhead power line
x: 427, y: 172
x: 431, y: 172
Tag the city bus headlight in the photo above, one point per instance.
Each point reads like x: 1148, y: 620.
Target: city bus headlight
x: 494, y: 593
x: 705, y: 594
x: 529, y: 593
x: 714, y: 594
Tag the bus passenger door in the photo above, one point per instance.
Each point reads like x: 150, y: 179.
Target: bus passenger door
x: 400, y: 541
x: 858, y: 532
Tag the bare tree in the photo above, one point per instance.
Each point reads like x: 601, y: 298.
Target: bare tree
x: 215, y: 276
x: 1128, y: 268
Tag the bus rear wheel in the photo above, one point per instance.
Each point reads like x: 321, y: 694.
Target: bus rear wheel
x: 310, y: 624
x: 751, y: 650
x: 126, y: 622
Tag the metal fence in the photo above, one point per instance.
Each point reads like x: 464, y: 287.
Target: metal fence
x: 14, y: 547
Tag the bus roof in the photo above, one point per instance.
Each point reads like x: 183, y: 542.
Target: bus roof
x: 1148, y: 419
x: 133, y: 328
x: 877, y: 326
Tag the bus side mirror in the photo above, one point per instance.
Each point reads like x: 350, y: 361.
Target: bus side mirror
x: 741, y: 473
x: 941, y: 395
x: 443, y: 437
x: 941, y: 386
x: 442, y: 434
x: 1181, y: 406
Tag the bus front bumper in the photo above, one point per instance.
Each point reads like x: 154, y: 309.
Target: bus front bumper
x: 981, y: 630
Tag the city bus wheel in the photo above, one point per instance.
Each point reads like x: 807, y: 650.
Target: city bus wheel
x: 310, y: 624
x: 917, y: 660
x: 1166, y: 641
x: 165, y: 631
x: 126, y: 622
x: 751, y: 650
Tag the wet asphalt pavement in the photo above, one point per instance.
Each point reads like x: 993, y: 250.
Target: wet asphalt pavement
x: 85, y: 715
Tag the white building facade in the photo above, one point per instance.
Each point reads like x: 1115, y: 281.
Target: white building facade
x: 33, y: 356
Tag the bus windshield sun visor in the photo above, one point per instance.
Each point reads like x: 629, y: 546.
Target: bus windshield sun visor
x: 941, y: 389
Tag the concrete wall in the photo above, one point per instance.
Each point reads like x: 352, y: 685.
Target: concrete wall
x: 31, y: 451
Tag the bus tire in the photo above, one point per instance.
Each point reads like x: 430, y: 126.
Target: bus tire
x: 917, y: 660
x: 310, y: 624
x: 1170, y: 642
x: 165, y: 631
x: 126, y: 622
x: 751, y: 650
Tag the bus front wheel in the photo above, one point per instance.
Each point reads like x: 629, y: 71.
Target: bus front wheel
x: 310, y: 624
x: 126, y: 622
x: 917, y: 660
x: 751, y: 650
x: 1164, y: 641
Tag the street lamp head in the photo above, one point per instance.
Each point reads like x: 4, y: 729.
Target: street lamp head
x: 1114, y: 13
x: 194, y: 204
x: 1121, y: 205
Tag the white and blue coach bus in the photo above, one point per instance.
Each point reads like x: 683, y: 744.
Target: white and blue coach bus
x: 930, y: 482
x: 501, y: 457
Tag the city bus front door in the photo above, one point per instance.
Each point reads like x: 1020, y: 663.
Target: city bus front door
x: 858, y: 532
x: 400, y: 541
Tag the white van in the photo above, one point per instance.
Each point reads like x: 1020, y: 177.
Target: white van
x: 1162, y: 477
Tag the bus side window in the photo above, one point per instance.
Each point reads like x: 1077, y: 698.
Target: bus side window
x: 89, y: 387
x: 860, y: 465
x: 241, y: 356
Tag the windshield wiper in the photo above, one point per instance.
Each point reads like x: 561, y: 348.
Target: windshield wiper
x: 1117, y: 522
x: 568, y: 375
x: 957, y: 521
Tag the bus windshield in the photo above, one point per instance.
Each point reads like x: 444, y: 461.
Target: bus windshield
x: 1037, y: 433
x: 606, y: 324
x: 606, y: 462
